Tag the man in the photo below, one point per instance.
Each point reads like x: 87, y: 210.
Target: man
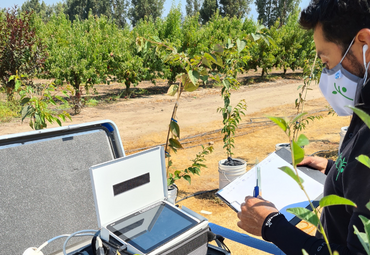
x: 342, y: 39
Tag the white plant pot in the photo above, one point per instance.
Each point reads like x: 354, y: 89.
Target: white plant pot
x: 172, y: 193
x: 279, y: 146
x: 229, y: 173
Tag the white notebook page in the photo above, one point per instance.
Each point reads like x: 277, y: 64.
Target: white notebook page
x: 276, y: 186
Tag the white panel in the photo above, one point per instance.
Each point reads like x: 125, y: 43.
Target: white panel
x: 105, y: 176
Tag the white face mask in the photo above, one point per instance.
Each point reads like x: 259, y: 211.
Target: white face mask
x: 340, y: 87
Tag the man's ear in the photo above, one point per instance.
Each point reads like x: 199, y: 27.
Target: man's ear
x: 363, y: 37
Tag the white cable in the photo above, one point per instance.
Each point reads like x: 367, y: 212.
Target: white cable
x: 78, y: 233
x: 49, y: 241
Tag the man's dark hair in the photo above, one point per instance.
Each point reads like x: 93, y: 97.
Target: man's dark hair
x: 341, y: 20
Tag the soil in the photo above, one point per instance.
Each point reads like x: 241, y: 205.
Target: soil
x: 143, y: 122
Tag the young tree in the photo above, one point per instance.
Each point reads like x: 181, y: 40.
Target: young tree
x: 209, y: 8
x: 238, y: 8
x: 192, y: 7
x: 145, y: 8
x: 21, y: 49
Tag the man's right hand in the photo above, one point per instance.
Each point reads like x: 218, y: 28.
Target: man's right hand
x: 317, y: 163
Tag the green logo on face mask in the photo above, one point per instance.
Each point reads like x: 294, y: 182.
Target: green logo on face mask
x: 340, y: 164
x: 339, y: 91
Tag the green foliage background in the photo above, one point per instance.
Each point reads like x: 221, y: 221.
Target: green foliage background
x: 96, y: 50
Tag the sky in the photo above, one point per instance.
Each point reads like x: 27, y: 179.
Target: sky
x: 167, y: 5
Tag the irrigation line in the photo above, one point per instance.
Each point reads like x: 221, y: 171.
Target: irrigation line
x: 196, y: 194
x: 252, y: 123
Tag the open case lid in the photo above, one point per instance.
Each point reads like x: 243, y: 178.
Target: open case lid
x: 45, y: 183
x: 126, y: 185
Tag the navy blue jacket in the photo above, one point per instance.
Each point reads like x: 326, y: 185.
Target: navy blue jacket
x: 347, y: 178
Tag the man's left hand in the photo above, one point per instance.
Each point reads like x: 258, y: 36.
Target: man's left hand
x: 253, y: 213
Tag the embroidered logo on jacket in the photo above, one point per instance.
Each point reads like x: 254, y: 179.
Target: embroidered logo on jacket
x: 340, y: 164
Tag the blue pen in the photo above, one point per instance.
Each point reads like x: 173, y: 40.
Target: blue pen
x: 257, y: 188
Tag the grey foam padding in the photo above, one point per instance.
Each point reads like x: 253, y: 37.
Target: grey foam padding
x: 45, y: 189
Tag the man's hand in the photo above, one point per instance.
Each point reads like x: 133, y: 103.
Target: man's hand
x: 253, y: 213
x: 318, y: 163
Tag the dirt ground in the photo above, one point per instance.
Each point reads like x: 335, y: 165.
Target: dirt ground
x: 143, y: 122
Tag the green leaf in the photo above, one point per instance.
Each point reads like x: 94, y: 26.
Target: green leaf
x: 18, y: 84
x: 193, y: 76
x: 363, y: 239
x: 292, y: 174
x: 189, y: 86
x: 175, y: 129
x: 363, y: 115
x: 305, y: 214
x: 364, y: 160
x: 304, y: 252
x: 366, y: 223
x: 210, y: 58
x: 299, y: 116
x: 368, y: 205
x: 26, y: 111
x: 241, y: 45
x: 280, y: 122
x: 173, y: 90
x: 59, y: 122
x: 206, y: 62
x: 302, y: 140
x: 219, y: 49
x: 335, y: 200
x: 298, y: 153
x: 188, y: 178
x: 175, y: 143
x: 25, y: 100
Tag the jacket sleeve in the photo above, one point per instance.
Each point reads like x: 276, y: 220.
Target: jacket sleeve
x: 292, y: 240
x: 329, y: 166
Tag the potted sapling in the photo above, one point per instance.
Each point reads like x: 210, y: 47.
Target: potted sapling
x: 230, y: 168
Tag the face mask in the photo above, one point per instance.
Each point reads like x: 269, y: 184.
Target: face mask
x: 341, y: 88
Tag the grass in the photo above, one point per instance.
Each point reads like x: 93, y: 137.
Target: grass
x: 9, y: 110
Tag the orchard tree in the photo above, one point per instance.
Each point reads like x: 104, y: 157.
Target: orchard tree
x: 209, y: 8
x: 192, y: 7
x: 80, y: 53
x: 79, y: 8
x: 113, y: 9
x: 21, y: 49
x: 269, y: 11
x: 33, y: 5
x: 145, y: 8
x: 238, y: 8
x: 42, y: 9
x: 119, y: 12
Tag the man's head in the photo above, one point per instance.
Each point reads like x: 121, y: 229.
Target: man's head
x: 335, y: 24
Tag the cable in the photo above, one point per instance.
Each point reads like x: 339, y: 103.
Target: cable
x: 49, y: 241
x: 69, y: 236
x: 264, y: 121
x: 88, y: 232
